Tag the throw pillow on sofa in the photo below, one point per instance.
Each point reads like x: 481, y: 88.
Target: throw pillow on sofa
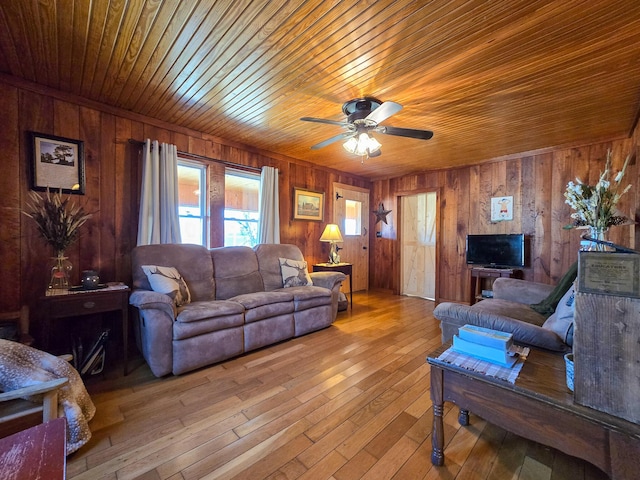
x: 168, y: 280
x: 294, y: 273
x: 561, y: 321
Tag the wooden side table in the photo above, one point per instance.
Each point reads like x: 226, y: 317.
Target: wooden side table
x: 478, y: 273
x: 346, y: 268
x: 114, y: 298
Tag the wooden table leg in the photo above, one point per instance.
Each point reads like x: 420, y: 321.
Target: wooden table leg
x: 437, y: 436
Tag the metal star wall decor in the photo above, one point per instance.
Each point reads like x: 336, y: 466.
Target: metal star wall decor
x: 381, y: 214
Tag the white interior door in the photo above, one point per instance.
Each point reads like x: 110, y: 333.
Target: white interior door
x: 351, y: 213
x: 418, y: 248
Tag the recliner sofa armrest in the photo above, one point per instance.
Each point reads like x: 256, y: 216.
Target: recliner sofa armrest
x: 149, y: 300
x: 327, y: 279
x: 521, y: 291
x: 454, y: 315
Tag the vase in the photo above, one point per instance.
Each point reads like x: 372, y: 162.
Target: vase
x: 60, y: 272
x: 568, y: 360
x: 597, y: 233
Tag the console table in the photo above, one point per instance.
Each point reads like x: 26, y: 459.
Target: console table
x: 478, y: 273
x: 346, y: 268
x: 540, y: 407
x: 67, y: 304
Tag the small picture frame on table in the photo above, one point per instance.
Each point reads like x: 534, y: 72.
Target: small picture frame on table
x: 57, y: 163
x: 308, y: 205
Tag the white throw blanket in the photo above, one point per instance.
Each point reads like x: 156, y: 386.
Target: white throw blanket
x: 23, y: 366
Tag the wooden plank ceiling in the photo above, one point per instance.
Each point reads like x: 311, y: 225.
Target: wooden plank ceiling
x: 489, y: 78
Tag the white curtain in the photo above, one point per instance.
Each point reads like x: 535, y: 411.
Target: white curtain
x: 159, y: 221
x: 269, y: 223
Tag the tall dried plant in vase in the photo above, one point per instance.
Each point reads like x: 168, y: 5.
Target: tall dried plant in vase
x: 58, y: 220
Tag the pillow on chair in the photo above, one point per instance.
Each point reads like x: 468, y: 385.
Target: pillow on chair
x: 561, y: 321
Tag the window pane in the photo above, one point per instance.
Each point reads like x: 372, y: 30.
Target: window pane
x: 241, y: 214
x: 192, y: 202
x: 352, y: 218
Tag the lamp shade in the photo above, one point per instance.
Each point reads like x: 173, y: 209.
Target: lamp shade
x: 331, y: 234
x: 363, y: 145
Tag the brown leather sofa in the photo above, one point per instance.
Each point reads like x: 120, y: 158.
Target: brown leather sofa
x: 238, y: 303
x: 508, y: 311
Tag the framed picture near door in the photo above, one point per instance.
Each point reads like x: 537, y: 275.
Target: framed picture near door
x: 57, y: 163
x: 308, y: 205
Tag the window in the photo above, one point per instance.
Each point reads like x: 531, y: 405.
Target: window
x: 241, y: 208
x: 192, y: 206
x: 352, y: 220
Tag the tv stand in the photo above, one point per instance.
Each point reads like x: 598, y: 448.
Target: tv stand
x: 478, y: 276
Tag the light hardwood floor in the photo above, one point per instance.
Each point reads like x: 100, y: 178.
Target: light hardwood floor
x: 349, y: 402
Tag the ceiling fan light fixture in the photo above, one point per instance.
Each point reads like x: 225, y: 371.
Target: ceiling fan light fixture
x: 363, y: 145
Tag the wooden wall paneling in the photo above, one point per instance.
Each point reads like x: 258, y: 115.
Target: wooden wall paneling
x: 449, y: 267
x: 541, y: 243
x: 66, y: 123
x: 197, y: 146
x: 560, y: 238
x: 482, y: 224
x: 216, y: 204
x: 124, y: 213
x: 513, y: 187
x: 36, y: 114
x: 92, y: 131
x: 111, y: 189
x: 498, y: 189
x: 181, y: 141
x: 527, y: 184
x: 10, y: 204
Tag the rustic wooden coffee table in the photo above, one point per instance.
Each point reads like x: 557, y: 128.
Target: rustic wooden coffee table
x: 540, y: 407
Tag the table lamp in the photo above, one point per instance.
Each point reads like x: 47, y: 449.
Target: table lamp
x: 332, y: 235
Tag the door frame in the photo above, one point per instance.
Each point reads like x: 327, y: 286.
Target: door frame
x: 397, y: 264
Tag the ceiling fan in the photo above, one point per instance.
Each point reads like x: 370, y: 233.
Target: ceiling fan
x: 364, y: 116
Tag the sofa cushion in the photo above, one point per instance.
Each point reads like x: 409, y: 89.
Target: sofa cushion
x: 309, y: 297
x: 168, y: 280
x: 198, y: 311
x: 261, y: 305
x: 268, y: 259
x: 192, y: 261
x: 201, y: 318
x: 561, y: 320
x: 511, y: 309
x: 236, y: 271
x: 294, y: 273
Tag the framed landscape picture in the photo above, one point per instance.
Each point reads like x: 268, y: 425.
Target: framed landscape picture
x: 308, y: 205
x: 57, y: 163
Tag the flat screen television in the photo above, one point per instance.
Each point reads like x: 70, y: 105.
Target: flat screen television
x: 496, y: 251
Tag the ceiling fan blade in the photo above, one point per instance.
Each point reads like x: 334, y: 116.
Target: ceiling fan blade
x: 322, y: 120
x: 384, y: 111
x: 406, y: 132
x: 331, y: 140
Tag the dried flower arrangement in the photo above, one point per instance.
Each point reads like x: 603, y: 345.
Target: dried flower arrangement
x: 58, y: 219
x: 595, y: 205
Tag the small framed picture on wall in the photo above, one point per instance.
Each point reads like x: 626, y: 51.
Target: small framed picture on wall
x: 501, y: 209
x: 57, y: 163
x: 308, y: 205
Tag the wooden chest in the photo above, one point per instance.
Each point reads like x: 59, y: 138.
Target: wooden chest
x: 607, y: 352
